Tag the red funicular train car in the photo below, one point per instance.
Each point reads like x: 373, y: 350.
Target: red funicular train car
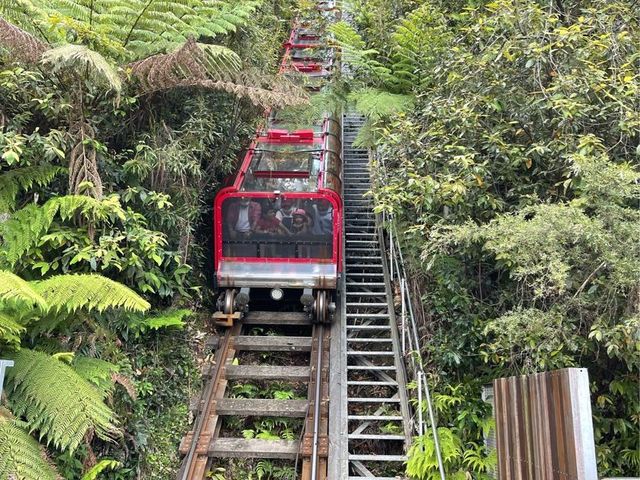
x: 279, y: 226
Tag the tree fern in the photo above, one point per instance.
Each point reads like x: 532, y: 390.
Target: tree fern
x: 69, y: 293
x: 21, y: 457
x: 56, y: 401
x: 24, y: 178
x: 355, y: 53
x: 376, y: 105
x: 191, y: 62
x: 419, y: 40
x: 81, y: 58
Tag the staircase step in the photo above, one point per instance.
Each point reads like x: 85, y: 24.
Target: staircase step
x: 375, y: 418
x: 377, y: 458
x: 358, y: 353
x: 367, y: 436
x: 373, y: 400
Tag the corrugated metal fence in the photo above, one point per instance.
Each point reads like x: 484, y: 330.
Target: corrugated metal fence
x: 544, y: 428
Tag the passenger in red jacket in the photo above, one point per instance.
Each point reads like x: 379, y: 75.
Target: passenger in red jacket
x: 242, y: 217
x: 270, y: 224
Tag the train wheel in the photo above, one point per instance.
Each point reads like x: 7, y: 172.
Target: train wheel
x: 321, y: 307
x: 229, y: 301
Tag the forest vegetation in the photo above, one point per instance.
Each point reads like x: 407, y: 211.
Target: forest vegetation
x: 508, y: 139
x: 508, y: 136
x: 118, y: 121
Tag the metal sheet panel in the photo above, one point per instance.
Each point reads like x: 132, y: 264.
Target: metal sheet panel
x: 543, y: 426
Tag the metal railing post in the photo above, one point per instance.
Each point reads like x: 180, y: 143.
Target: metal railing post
x: 4, y: 364
x: 420, y: 419
x: 434, y: 430
x: 403, y: 316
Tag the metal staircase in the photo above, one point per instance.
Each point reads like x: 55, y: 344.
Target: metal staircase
x: 373, y: 427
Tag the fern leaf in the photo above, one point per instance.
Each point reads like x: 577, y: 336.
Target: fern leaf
x: 100, y: 467
x: 216, y: 68
x: 56, y: 401
x: 192, y: 62
x: 173, y: 318
x: 376, y: 104
x: 79, y: 57
x: 26, y: 227
x: 69, y: 293
x: 23, y: 230
x: 10, y: 329
x: 170, y: 318
x: 14, y: 290
x: 21, y: 179
x: 97, y: 372
x: 20, y: 455
x: 22, y: 45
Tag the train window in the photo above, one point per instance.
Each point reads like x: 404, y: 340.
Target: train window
x: 312, y: 54
x: 285, y: 167
x: 277, y: 228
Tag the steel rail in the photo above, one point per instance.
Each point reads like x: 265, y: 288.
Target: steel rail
x: 189, y: 463
x: 317, y: 404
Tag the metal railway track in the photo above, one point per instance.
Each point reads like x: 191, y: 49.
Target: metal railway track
x: 205, y: 442
x: 372, y: 427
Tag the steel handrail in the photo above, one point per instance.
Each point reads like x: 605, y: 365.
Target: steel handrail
x: 409, y: 331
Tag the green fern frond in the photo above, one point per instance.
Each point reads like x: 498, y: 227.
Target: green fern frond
x: 69, y: 293
x: 347, y: 36
x: 173, y: 318
x: 376, y: 104
x: 10, y: 329
x: 132, y: 28
x: 321, y: 103
x: 25, y: 228
x: 22, y: 179
x: 81, y: 58
x: 56, y: 401
x: 98, y: 468
x: 97, y: 372
x: 14, y: 290
x: 20, y: 455
x: 170, y: 318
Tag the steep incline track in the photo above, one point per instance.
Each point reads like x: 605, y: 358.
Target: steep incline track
x: 374, y: 428
x: 208, y: 440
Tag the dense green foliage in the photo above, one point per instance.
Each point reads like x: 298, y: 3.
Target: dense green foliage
x: 118, y: 122
x: 513, y: 177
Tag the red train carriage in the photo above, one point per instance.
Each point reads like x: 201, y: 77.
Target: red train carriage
x: 307, y: 57
x: 279, y: 226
